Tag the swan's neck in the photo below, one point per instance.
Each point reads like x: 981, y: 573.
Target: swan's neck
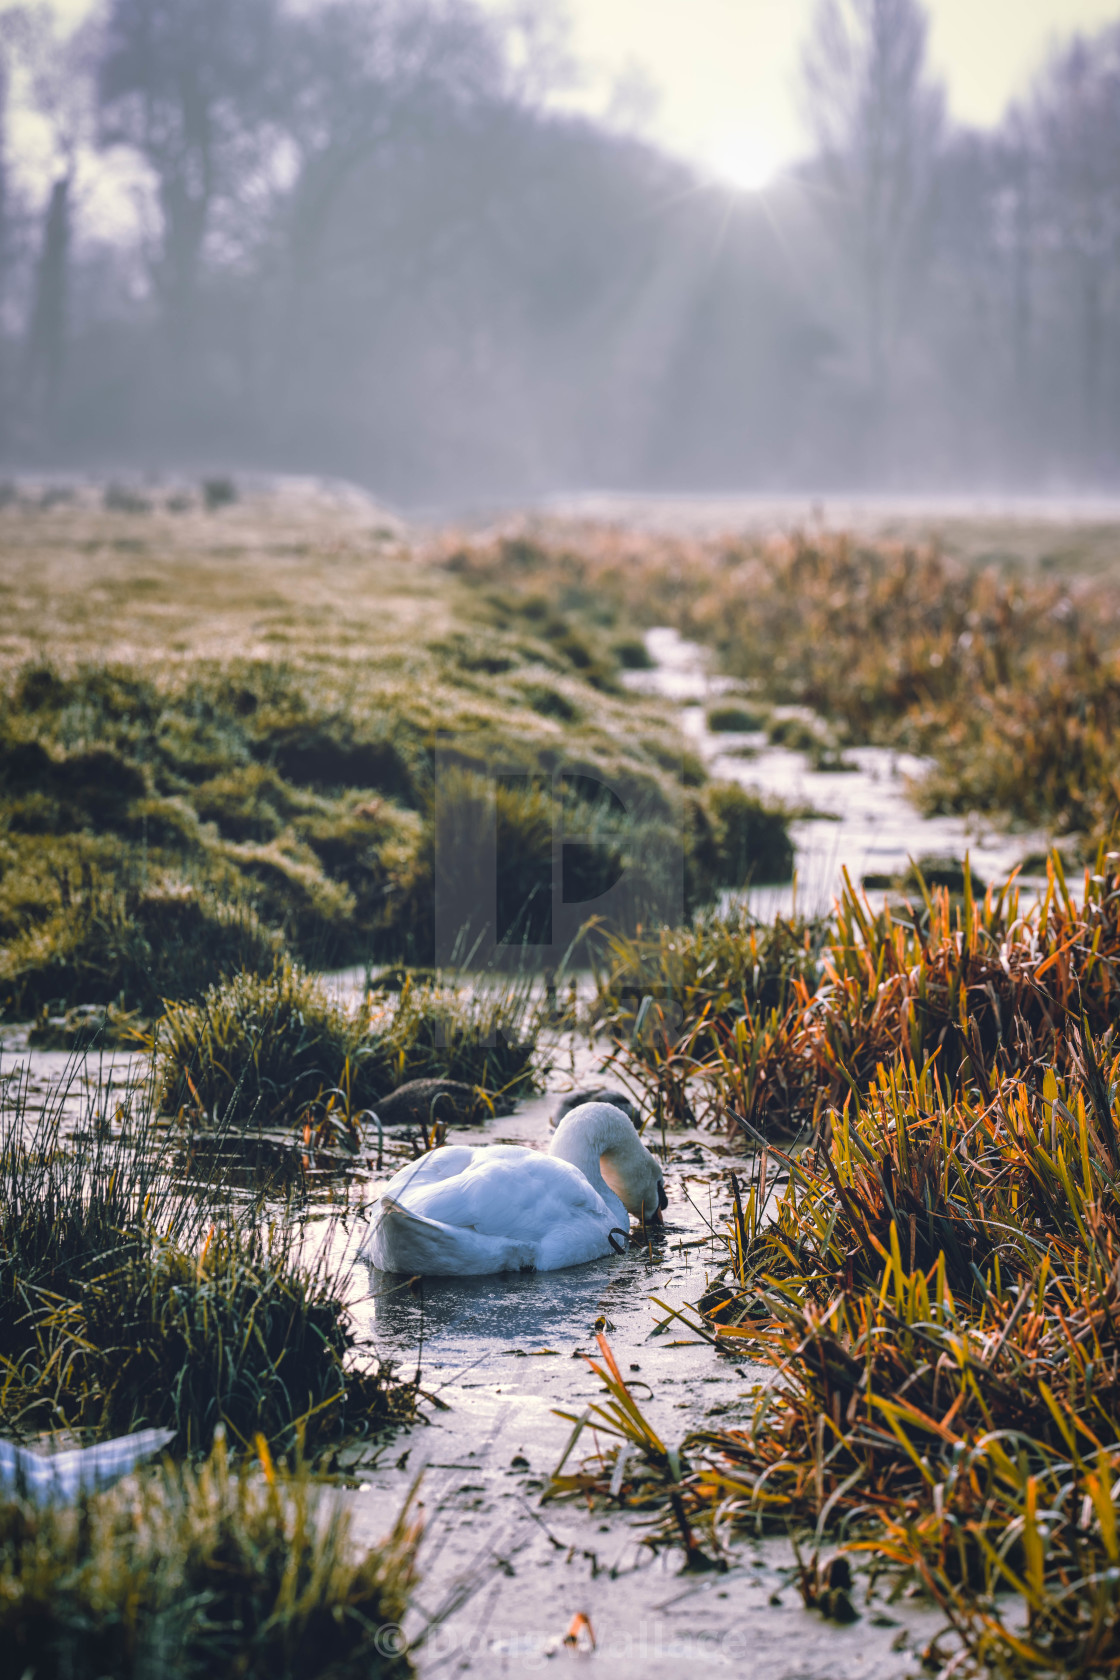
x: 585, y: 1138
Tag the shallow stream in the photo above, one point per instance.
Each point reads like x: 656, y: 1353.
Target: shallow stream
x: 863, y: 817
x: 503, y: 1576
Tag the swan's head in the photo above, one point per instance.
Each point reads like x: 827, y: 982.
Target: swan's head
x: 598, y: 1134
x: 640, y: 1187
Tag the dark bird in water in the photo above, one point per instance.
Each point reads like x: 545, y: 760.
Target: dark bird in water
x: 598, y: 1094
x: 424, y: 1101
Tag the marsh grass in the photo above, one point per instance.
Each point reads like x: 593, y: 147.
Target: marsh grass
x: 936, y: 1296
x: 258, y: 1048
x: 806, y: 1014
x: 935, y: 1292
x: 1006, y: 676
x: 484, y: 1034
x: 197, y: 1572
x: 267, y: 1050
x: 668, y: 1001
x: 126, y: 1301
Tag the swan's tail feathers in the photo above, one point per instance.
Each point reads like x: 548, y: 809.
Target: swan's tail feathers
x: 59, y: 1478
x: 403, y: 1241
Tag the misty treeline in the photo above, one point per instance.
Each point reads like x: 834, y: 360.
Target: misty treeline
x: 371, y: 238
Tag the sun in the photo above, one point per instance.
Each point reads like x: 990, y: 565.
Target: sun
x: 745, y: 158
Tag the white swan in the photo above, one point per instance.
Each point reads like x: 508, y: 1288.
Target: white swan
x: 464, y: 1212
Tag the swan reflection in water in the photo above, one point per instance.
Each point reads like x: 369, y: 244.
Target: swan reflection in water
x: 458, y: 1316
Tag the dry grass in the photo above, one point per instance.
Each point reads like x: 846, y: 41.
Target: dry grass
x: 936, y: 1292
x: 1004, y: 671
x: 779, y: 1024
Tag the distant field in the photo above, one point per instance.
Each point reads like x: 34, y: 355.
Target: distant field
x: 295, y: 574
x: 1061, y: 533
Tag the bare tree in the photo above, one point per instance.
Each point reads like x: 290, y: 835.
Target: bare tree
x: 13, y: 31
x: 375, y: 92
x: 5, y: 84
x: 55, y: 85
x: 877, y: 117
x: 184, y: 83
x: 5, y: 225
x: 45, y: 353
x: 1072, y: 124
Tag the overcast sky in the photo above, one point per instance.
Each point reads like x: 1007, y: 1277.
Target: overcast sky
x: 725, y: 71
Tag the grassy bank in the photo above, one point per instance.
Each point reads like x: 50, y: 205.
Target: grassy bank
x: 218, y: 742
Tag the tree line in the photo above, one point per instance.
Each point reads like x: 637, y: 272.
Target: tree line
x: 367, y: 238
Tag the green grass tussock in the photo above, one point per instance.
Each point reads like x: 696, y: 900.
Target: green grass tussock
x: 196, y: 1573
x: 739, y: 840
x: 485, y: 1036
x: 126, y: 1302
x: 265, y: 1050
x: 732, y: 718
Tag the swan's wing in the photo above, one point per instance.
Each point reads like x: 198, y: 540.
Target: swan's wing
x: 431, y: 1168
x: 508, y: 1191
x: 382, y: 1243
x: 46, y: 1478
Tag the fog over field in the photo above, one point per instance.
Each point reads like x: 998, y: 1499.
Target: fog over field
x: 380, y: 241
